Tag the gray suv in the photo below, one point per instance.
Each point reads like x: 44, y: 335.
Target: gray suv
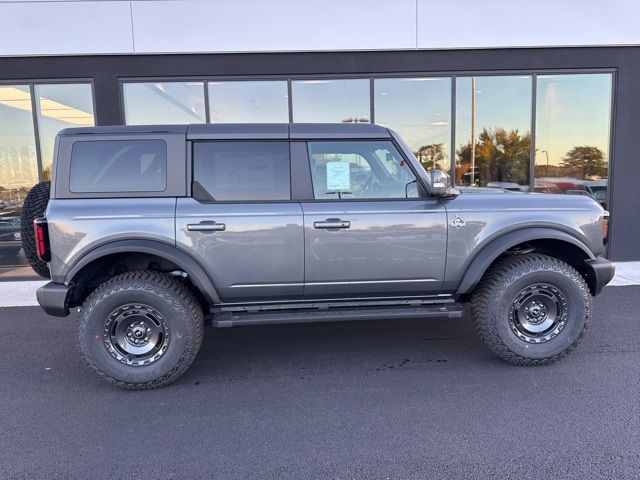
x: 155, y: 231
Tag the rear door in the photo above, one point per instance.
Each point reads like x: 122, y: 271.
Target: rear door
x: 370, y: 230
x: 240, y: 221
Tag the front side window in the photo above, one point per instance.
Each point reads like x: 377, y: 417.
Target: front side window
x: 243, y: 171
x: 352, y: 170
x: 111, y: 166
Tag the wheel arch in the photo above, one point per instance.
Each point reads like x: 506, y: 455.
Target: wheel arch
x: 147, y: 249
x: 556, y: 243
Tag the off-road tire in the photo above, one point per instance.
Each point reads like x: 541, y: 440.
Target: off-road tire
x: 492, y: 301
x: 169, y: 296
x: 35, y: 205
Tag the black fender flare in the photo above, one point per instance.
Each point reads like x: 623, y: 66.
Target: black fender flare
x: 186, y: 262
x: 492, y: 250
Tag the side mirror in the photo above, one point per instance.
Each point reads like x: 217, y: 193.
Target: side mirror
x: 440, y: 183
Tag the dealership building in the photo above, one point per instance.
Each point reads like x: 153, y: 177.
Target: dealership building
x: 528, y: 96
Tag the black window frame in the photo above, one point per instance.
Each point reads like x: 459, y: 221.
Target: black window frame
x: 176, y: 165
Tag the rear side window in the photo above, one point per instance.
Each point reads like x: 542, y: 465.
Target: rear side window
x: 243, y: 171
x: 109, y: 166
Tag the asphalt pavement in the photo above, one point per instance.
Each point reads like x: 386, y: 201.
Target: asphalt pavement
x: 356, y: 400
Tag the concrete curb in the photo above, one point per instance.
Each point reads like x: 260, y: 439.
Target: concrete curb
x: 23, y: 293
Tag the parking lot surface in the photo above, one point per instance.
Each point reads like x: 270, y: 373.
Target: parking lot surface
x: 356, y: 400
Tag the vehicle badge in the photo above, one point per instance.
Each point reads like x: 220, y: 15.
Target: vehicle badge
x: 458, y: 222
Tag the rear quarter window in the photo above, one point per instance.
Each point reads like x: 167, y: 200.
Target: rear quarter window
x: 109, y: 166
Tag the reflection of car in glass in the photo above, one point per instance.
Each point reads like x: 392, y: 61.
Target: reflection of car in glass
x: 10, y: 233
x: 598, y: 190
x: 511, y: 186
x: 153, y: 231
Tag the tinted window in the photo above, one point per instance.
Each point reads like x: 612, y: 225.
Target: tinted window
x: 360, y: 169
x: 235, y: 171
x: 119, y: 166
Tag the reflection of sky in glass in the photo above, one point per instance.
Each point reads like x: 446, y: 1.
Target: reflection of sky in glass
x: 328, y: 101
x: 418, y: 108
x: 164, y: 103
x: 61, y: 106
x: 18, y: 168
x: 572, y: 110
x: 248, y: 102
x: 501, y: 102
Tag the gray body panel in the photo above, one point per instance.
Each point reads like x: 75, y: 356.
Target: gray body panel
x: 77, y: 226
x: 260, y: 253
x: 489, y: 215
x: 390, y: 248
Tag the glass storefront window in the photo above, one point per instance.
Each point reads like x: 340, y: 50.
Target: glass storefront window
x: 60, y: 106
x: 164, y: 103
x: 573, y: 122
x: 18, y: 173
x: 419, y: 109
x: 331, y: 101
x: 493, y: 113
x: 248, y: 102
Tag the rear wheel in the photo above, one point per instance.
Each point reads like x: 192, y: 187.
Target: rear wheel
x: 35, y: 205
x: 532, y: 309
x: 140, y: 330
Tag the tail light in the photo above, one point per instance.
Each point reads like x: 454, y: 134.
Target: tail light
x: 41, y: 230
x: 605, y: 228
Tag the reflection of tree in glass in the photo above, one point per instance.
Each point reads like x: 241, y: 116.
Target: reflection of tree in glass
x: 500, y: 156
x: 431, y: 156
x: 584, y: 162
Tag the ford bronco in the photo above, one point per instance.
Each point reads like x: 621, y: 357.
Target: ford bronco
x: 155, y: 231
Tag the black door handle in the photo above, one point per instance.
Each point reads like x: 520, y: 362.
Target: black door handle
x: 332, y: 223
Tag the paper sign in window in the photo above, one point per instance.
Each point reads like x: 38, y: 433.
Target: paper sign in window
x: 338, y: 177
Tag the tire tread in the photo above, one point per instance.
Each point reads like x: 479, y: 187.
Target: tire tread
x: 497, y: 279
x: 35, y: 205
x: 182, y: 298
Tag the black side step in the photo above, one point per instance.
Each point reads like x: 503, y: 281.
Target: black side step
x: 224, y: 318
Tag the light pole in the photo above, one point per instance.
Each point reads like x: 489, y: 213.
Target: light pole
x: 547, y: 155
x: 473, y: 130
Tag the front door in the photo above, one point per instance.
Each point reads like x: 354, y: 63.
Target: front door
x: 240, y: 223
x: 370, y: 231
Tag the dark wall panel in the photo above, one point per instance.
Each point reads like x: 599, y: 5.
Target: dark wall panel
x: 624, y: 176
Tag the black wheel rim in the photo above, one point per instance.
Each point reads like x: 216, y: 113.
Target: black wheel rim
x: 538, y: 313
x: 136, y: 334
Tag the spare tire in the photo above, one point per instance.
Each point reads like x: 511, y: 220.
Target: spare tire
x: 35, y: 205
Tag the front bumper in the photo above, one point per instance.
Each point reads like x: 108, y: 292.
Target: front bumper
x: 599, y: 272
x: 54, y: 298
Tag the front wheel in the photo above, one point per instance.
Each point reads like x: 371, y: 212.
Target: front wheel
x: 140, y: 330
x: 531, y: 309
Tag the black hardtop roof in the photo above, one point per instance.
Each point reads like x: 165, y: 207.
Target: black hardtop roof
x: 230, y: 131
